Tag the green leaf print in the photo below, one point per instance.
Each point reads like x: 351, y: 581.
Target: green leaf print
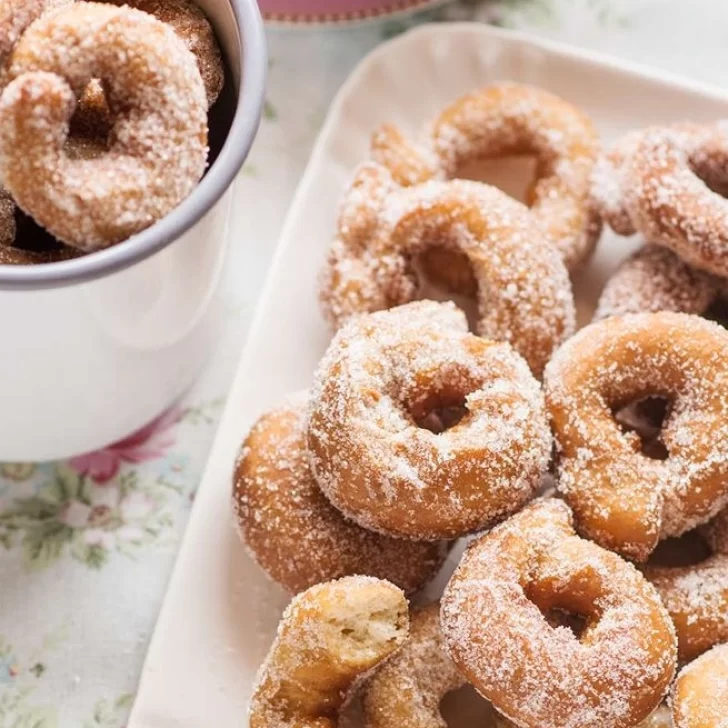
x: 73, y: 515
x: 110, y: 714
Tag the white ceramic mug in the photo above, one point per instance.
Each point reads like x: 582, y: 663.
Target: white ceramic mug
x: 93, y: 348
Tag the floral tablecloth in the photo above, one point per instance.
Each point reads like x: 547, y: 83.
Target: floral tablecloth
x: 86, y: 546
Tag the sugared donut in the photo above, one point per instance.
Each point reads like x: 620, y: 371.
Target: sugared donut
x: 669, y: 184
x: 524, y: 293
x: 407, y: 690
x: 158, y: 147
x: 656, y: 279
x: 329, y: 637
x: 381, y: 376
x: 506, y: 119
x: 696, y: 596
x: 621, y: 498
x: 612, y: 674
x: 700, y: 694
x: 294, y: 533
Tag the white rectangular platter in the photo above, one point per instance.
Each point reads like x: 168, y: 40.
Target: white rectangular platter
x: 220, y: 612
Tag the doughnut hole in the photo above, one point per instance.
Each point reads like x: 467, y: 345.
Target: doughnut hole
x: 439, y: 411
x: 513, y: 174
x: 438, y: 400
x: 464, y: 707
x: 560, y: 610
x: 711, y: 172
x: 718, y: 311
x: 644, y: 418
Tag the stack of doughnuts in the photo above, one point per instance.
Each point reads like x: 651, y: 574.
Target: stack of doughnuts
x: 103, y: 120
x: 599, y: 603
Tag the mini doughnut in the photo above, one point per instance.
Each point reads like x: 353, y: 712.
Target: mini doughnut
x: 507, y: 119
x: 700, y: 694
x: 668, y: 185
x: 669, y: 203
x: 655, y: 279
x: 612, y: 675
x: 622, y: 499
x: 610, y: 177
x: 192, y: 26
x: 524, y: 292
x: 329, y: 637
x: 406, y: 691
x: 381, y: 376
x: 696, y: 596
x: 294, y: 533
x: 158, y: 147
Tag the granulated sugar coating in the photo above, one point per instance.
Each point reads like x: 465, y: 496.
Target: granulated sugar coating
x: 329, y: 638
x: 407, y: 690
x: 524, y: 293
x: 158, y: 145
x: 696, y: 596
x: 700, y: 694
x: 667, y: 183
x: 621, y: 498
x: 669, y: 203
x: 508, y: 119
x: 16, y: 16
x: 294, y: 533
x: 193, y: 27
x: 656, y: 279
x: 381, y: 375
x: 608, y: 184
x: 613, y: 675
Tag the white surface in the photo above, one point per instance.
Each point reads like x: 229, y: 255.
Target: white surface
x: 101, y: 359
x: 220, y: 612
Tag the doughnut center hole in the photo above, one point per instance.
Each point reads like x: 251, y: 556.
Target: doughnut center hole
x: 689, y: 549
x: 718, y: 312
x: 712, y: 176
x: 464, y: 708
x: 645, y: 417
x: 513, y: 174
x: 558, y: 617
x: 557, y: 613
x: 563, y: 617
x: 439, y: 412
x: 445, y: 274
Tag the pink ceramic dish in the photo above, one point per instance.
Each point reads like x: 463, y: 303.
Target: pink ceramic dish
x: 331, y: 11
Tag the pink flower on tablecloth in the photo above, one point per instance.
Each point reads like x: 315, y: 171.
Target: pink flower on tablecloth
x: 149, y: 443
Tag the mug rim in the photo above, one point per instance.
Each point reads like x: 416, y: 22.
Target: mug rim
x: 250, y: 95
